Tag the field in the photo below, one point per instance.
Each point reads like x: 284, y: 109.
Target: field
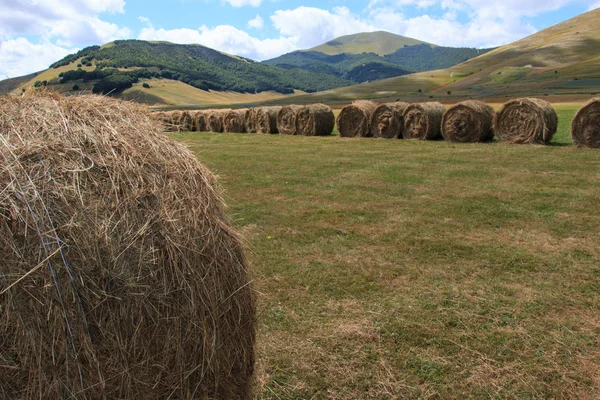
x: 402, y: 269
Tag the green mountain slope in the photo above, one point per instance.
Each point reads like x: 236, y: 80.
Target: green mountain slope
x: 380, y: 43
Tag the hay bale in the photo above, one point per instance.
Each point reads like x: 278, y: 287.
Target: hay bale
x: 250, y: 119
x: 526, y: 120
x: 176, y: 121
x: 388, y: 120
x: 585, y: 128
x: 164, y: 120
x: 266, y: 119
x: 469, y: 122
x: 423, y: 121
x: 315, y: 120
x: 286, y: 119
x: 215, y: 120
x: 234, y: 121
x: 200, y: 121
x: 186, y: 121
x: 355, y: 120
x: 121, y: 277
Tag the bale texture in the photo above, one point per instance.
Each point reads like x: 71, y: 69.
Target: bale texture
x: 186, y: 121
x: 250, y: 119
x: 200, y: 121
x: 121, y: 277
x: 234, y: 121
x: 286, y: 120
x: 388, y: 121
x: 527, y: 120
x: 423, y: 121
x: 266, y: 120
x: 585, y: 128
x: 315, y: 120
x: 215, y: 120
x: 354, y: 120
x: 176, y: 117
x: 165, y: 120
x: 469, y: 122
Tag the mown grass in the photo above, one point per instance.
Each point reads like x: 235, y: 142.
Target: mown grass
x: 402, y: 269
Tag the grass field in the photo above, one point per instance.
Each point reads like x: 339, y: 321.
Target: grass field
x: 402, y: 269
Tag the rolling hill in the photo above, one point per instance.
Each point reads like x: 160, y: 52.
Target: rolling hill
x: 563, y: 60
x: 380, y: 43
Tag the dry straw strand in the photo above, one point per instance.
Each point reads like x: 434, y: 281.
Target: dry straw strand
x: 315, y: 120
x: 266, y: 119
x: 121, y: 277
x: 585, y: 128
x: 286, y: 119
x: 215, y: 120
x: 388, y: 120
x: 234, y: 121
x: 526, y: 120
x: 469, y: 122
x: 354, y: 120
x: 423, y: 121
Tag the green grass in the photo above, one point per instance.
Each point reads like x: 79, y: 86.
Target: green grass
x: 402, y: 269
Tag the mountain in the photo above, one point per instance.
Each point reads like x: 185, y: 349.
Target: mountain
x: 562, y: 60
x: 367, y: 67
x: 380, y: 43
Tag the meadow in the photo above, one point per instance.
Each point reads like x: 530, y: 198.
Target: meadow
x: 390, y: 269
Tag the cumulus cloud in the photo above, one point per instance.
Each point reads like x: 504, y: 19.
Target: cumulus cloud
x: 19, y: 57
x: 256, y: 23
x: 243, y: 3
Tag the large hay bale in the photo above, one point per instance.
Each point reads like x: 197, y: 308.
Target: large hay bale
x: 165, y: 120
x: 469, y: 122
x: 286, y: 120
x: 250, y: 119
x: 215, y: 120
x: 234, y: 121
x: 355, y: 119
x: 200, y: 121
x: 266, y: 119
x: 315, y: 120
x: 120, y: 275
x: 526, y: 120
x: 186, y: 121
x: 585, y: 128
x: 388, y: 120
x: 423, y: 121
x: 176, y: 117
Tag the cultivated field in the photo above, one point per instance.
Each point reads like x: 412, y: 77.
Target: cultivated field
x: 401, y: 269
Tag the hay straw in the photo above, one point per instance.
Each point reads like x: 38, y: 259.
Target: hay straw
x: 266, y: 120
x: 121, y: 277
x: 423, y: 121
x: 315, y: 120
x: 354, y: 120
x: 200, y: 121
x: 388, y: 120
x: 250, y: 119
x: 585, y: 128
x: 186, y: 121
x: 234, y: 121
x: 215, y: 120
x: 526, y: 120
x: 286, y: 120
x: 469, y: 122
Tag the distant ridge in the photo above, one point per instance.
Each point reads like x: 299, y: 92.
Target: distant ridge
x: 380, y: 43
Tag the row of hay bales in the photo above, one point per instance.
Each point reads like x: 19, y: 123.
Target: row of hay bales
x: 310, y: 120
x: 527, y: 120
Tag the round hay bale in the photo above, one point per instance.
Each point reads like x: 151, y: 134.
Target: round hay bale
x: 200, y: 121
x: 215, y: 120
x: 186, y: 121
x: 165, y: 120
x: 315, y: 120
x: 388, y: 121
x: 469, y: 122
x: 250, y: 119
x: 355, y: 120
x: 234, y: 121
x: 266, y: 120
x: 526, y: 120
x: 585, y: 128
x: 423, y: 121
x: 121, y: 277
x: 286, y: 119
x: 176, y: 121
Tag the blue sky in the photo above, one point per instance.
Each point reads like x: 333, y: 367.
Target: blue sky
x: 35, y: 33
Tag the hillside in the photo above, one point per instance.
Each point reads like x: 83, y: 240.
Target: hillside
x: 380, y: 43
x: 368, y: 67
x: 563, y: 60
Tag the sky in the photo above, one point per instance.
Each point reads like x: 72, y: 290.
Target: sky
x: 36, y: 33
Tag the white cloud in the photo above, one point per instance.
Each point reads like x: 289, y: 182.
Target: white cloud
x: 242, y: 3
x: 19, y: 57
x: 594, y: 6
x: 256, y: 23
